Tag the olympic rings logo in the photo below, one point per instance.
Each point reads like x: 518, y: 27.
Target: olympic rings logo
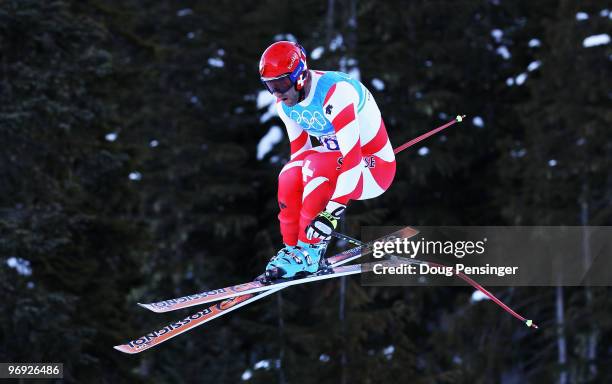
x: 312, y: 121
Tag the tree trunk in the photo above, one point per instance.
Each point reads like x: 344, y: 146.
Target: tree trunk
x: 281, y: 339
x: 329, y: 22
x: 341, y: 317
x: 591, y: 342
x: 561, y: 343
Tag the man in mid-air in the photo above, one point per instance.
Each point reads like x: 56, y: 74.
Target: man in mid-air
x: 354, y: 160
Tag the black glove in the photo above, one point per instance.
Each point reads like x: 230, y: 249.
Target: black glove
x: 325, y: 222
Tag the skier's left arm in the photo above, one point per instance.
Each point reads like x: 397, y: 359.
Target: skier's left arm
x: 340, y: 108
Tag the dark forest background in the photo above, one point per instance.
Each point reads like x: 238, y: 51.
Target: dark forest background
x: 129, y: 172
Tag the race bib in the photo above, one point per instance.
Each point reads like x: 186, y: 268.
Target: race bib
x: 330, y: 142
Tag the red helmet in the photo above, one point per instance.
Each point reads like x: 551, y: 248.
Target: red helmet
x: 283, y: 65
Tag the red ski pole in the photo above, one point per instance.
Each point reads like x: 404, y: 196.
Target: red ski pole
x: 474, y: 284
x: 529, y: 323
x: 412, y: 142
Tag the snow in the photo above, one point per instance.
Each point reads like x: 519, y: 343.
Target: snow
x: 478, y: 296
x: 270, y: 113
x: 263, y: 364
x: 184, y: 12
x: 388, y: 352
x: 317, y: 53
x: 517, y: 153
x: 111, y: 136
x: 497, y: 34
x: 265, y: 98
x: 534, y: 43
x: 246, y: 375
x: 153, y: 143
x: 503, y: 52
x: 552, y: 163
x: 378, y: 84
x: 423, y: 151
x: 510, y: 81
x: 355, y: 73
x: 582, y: 16
x: 215, y: 62
x: 520, y: 79
x: 604, y: 13
x: 265, y: 145
x: 135, y: 176
x: 477, y: 121
x: 534, y: 65
x: 336, y: 42
x: 324, y: 358
x: 22, y: 266
x: 285, y: 36
x: 596, y: 40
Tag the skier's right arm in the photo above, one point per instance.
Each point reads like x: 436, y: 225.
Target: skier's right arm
x: 298, y: 137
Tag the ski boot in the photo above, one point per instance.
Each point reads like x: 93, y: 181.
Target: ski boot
x: 295, y: 261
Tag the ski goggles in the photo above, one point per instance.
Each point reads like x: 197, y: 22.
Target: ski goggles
x: 283, y: 83
x: 280, y: 85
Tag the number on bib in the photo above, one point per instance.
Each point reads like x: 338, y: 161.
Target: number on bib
x: 330, y: 142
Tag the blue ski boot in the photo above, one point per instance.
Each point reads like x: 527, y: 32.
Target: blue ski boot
x: 292, y: 261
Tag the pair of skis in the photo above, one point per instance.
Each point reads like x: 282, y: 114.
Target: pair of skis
x: 240, y: 295
x: 234, y: 302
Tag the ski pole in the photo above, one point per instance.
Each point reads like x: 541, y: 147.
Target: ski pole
x: 397, y: 150
x: 465, y: 278
x: 412, y: 142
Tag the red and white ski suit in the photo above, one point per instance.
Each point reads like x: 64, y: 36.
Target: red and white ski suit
x: 355, y: 160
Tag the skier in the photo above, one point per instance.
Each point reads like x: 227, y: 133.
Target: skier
x: 354, y: 160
